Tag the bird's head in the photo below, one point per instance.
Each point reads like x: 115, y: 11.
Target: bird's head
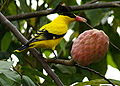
x: 67, y: 18
x: 65, y: 10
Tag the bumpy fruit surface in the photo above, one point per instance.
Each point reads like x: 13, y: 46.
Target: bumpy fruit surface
x: 90, y: 47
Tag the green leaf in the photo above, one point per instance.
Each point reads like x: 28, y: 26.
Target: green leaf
x: 68, y: 75
x: 116, y: 20
x: 96, y: 15
x: 100, y: 67
x: 12, y: 8
x: 66, y: 69
x: 54, y: 3
x: 97, y: 82
x: 5, y: 69
x: 5, y: 65
x: 47, y: 53
x: 70, y: 2
x: 6, y: 75
x: 27, y: 81
x: 6, y: 40
x: 4, y: 81
x: 4, y: 55
x: 115, y: 55
x: 62, y: 48
x: 45, y: 19
x: 114, y: 41
x: 32, y: 72
x: 24, y: 7
x: 2, y: 31
x: 85, y: 1
x: 110, y: 60
x: 116, y: 13
x: 12, y: 75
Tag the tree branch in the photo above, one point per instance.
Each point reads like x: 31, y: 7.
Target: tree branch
x: 72, y: 63
x: 61, y: 61
x: 34, y: 52
x: 73, y: 8
x: 97, y: 5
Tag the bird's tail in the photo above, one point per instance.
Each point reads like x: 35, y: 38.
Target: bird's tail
x: 22, y: 48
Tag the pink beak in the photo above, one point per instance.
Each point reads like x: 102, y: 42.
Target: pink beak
x: 81, y: 19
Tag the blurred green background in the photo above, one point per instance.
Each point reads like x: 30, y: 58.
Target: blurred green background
x: 27, y: 67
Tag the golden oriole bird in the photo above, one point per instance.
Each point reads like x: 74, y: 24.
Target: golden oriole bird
x: 49, y: 35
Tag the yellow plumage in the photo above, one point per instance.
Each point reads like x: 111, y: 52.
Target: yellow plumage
x: 58, y: 26
x: 49, y: 35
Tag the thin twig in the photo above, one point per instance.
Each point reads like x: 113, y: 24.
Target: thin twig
x: 34, y: 52
x: 91, y: 70
x: 72, y: 63
x: 73, y: 8
x: 89, y: 25
x: 115, y: 46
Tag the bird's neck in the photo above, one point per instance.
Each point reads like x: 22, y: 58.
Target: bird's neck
x: 63, y: 20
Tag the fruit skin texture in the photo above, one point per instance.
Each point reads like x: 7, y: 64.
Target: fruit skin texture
x: 90, y: 47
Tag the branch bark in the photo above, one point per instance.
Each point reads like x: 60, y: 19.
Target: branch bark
x: 73, y: 8
x: 34, y: 52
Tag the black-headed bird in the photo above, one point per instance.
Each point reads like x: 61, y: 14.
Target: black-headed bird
x: 50, y: 35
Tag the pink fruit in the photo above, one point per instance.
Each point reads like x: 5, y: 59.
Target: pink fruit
x: 90, y: 47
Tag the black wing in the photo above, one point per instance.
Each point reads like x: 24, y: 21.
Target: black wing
x: 44, y: 35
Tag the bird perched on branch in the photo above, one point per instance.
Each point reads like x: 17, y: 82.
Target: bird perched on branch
x: 49, y: 35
